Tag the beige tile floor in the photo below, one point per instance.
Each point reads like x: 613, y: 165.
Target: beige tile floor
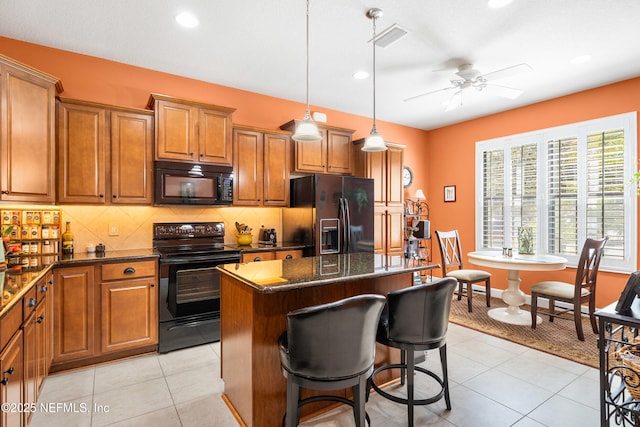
x: 493, y: 383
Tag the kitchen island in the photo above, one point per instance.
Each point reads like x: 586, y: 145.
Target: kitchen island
x: 255, y: 299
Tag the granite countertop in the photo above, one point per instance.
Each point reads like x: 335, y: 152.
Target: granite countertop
x: 16, y: 280
x: 285, y: 275
x: 257, y: 247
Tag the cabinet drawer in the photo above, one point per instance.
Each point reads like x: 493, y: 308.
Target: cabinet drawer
x: 29, y: 302
x: 9, y: 324
x: 289, y: 254
x: 258, y: 256
x: 128, y: 270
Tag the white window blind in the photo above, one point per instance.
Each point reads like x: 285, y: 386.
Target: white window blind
x: 566, y: 184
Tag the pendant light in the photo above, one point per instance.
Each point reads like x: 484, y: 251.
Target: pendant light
x: 307, y: 130
x: 375, y: 141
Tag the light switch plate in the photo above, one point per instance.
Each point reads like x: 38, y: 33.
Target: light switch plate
x: 113, y: 230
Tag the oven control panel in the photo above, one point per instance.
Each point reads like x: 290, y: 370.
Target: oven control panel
x: 188, y: 230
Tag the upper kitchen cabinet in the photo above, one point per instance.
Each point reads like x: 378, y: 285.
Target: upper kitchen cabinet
x: 385, y: 167
x: 188, y: 131
x: 261, y: 167
x: 104, y: 154
x: 334, y: 154
x: 27, y: 133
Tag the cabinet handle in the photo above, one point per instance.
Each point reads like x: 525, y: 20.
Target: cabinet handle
x: 40, y: 319
x: 8, y: 371
x: 50, y: 282
x: 257, y: 258
x: 152, y: 285
x: 43, y: 288
x: 191, y: 154
x: 101, y: 196
x: 288, y: 257
x: 32, y: 302
x: 115, y: 196
x: 5, y: 192
x: 129, y: 270
x: 4, y: 381
x: 201, y: 154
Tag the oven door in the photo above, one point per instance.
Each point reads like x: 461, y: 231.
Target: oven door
x: 191, y: 286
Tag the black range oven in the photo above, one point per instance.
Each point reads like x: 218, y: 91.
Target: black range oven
x: 189, y: 298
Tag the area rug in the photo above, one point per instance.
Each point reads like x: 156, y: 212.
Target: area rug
x: 558, y: 338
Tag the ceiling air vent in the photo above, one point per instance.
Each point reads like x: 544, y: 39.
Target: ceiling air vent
x: 390, y: 35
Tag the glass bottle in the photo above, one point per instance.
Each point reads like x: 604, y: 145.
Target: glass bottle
x: 67, y: 240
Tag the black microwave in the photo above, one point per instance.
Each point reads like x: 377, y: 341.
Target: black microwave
x: 180, y: 183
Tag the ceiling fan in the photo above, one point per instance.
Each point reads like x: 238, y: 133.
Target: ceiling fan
x: 470, y: 78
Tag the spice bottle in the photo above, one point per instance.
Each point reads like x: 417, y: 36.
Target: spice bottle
x: 67, y: 240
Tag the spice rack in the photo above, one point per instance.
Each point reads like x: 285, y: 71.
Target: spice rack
x: 35, y: 239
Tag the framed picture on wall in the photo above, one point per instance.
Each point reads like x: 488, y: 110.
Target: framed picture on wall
x: 450, y: 193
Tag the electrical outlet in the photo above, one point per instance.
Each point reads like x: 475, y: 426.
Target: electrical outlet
x: 113, y: 230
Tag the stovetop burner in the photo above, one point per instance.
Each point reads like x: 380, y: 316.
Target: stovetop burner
x: 189, y: 239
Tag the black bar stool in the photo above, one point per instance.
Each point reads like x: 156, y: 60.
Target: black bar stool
x: 416, y: 318
x: 330, y: 347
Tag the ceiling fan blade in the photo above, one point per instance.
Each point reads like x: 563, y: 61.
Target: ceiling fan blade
x: 506, y: 72
x: 454, y: 102
x: 411, y: 98
x: 503, y: 91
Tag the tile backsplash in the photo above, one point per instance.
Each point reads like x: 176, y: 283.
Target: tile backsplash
x: 91, y: 224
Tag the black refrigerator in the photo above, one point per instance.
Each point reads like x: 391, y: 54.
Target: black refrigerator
x: 330, y: 214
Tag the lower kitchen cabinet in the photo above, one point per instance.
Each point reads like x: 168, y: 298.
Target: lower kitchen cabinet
x: 269, y: 255
x: 12, y: 381
x: 129, y: 306
x: 104, y: 311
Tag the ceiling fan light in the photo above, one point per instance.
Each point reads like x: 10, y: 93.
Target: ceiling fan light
x: 307, y: 131
x: 374, y: 142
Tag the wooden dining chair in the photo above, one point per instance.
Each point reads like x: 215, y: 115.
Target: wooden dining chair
x: 451, y: 254
x: 582, y: 291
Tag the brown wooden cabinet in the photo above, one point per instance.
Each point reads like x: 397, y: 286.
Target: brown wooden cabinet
x: 385, y: 167
x: 261, y: 166
x: 265, y: 255
x: 104, y: 154
x: 190, y: 131
x: 334, y: 154
x: 129, y: 305
x: 74, y: 305
x: 104, y: 311
x: 27, y: 133
x: 12, y: 380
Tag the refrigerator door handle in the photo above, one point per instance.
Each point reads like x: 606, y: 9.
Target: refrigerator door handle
x: 343, y: 220
x: 347, y: 225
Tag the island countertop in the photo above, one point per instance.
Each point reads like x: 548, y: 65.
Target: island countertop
x: 284, y: 275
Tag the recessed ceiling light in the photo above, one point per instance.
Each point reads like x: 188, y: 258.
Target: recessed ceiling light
x: 187, y: 20
x: 360, y: 75
x: 495, y: 4
x: 580, y: 59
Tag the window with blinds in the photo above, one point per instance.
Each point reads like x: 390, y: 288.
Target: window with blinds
x: 566, y: 184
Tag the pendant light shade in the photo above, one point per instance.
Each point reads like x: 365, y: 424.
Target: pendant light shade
x: 375, y: 141
x: 307, y: 130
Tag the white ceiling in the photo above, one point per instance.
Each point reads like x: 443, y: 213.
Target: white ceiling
x: 259, y: 46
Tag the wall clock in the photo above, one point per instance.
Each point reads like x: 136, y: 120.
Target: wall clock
x: 407, y: 176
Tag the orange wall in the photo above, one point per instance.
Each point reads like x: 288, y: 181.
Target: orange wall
x: 459, y: 170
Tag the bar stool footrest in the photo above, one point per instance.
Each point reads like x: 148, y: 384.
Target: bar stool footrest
x: 401, y: 400
x: 313, y: 399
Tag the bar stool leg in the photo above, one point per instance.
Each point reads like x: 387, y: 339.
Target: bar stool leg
x: 411, y: 361
x: 445, y: 375
x: 359, y: 399
x: 403, y: 362
x: 293, y: 395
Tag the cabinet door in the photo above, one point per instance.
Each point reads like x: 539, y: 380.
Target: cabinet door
x: 395, y: 232
x: 43, y: 339
x: 27, y: 126
x: 276, y: 170
x: 82, y: 138
x: 11, y: 379
x: 129, y: 314
x: 311, y: 156
x: 248, y: 167
x: 175, y: 131
x: 214, y: 137
x: 379, y: 230
x: 73, y: 313
x: 339, y: 152
x: 377, y: 170
x: 30, y: 362
x: 131, y: 158
x: 395, y: 189
x: 289, y: 254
